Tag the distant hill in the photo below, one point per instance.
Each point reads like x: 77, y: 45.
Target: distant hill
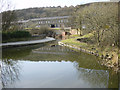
x: 31, y: 13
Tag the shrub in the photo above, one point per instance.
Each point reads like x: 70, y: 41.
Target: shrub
x: 15, y: 34
x: 44, y: 30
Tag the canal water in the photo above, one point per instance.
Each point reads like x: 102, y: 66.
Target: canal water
x: 49, y: 66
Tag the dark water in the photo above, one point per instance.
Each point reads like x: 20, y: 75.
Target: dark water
x: 43, y: 66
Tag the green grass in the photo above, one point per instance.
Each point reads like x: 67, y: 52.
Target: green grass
x: 55, y: 28
x: 101, y: 50
x: 28, y: 28
x: 84, y: 36
x: 73, y: 41
x: 73, y: 36
x: 119, y: 55
x: 87, y: 35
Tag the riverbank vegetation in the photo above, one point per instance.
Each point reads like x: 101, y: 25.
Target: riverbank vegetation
x: 98, y: 31
x: 103, y: 21
x: 8, y: 36
x: 108, y: 54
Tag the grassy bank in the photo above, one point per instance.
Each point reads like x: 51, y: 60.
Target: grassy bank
x: 108, y: 54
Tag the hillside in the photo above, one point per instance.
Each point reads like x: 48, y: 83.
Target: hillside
x: 31, y: 13
x: 40, y: 12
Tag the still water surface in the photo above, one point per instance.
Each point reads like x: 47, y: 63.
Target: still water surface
x: 43, y: 66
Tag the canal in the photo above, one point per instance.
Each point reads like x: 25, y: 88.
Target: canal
x: 48, y: 66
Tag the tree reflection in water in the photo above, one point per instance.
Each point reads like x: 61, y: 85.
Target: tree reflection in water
x: 9, y: 72
x: 0, y: 76
x: 99, y: 78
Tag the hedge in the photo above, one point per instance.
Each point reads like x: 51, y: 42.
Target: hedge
x: 15, y: 34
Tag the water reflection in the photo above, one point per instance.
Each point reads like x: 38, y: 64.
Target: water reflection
x: 70, y: 69
x: 0, y: 75
x: 17, y: 53
x: 9, y: 71
x: 99, y: 78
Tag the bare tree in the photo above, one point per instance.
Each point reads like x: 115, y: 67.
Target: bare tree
x: 102, y: 18
x: 6, y: 5
x: 76, y: 19
x: 8, y: 20
x: 8, y: 15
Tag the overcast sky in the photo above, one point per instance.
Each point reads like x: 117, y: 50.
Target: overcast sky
x: 20, y: 4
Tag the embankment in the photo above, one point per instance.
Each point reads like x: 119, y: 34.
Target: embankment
x: 109, y: 60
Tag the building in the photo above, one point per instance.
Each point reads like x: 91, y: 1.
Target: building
x: 60, y: 21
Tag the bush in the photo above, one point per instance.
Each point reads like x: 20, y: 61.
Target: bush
x: 15, y: 34
x: 44, y: 30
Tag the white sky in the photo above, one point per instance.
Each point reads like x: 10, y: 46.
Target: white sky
x: 21, y: 4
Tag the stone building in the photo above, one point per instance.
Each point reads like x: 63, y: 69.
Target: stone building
x: 60, y: 21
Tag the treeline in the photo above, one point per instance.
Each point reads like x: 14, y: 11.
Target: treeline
x: 99, y: 18
x: 31, y: 13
